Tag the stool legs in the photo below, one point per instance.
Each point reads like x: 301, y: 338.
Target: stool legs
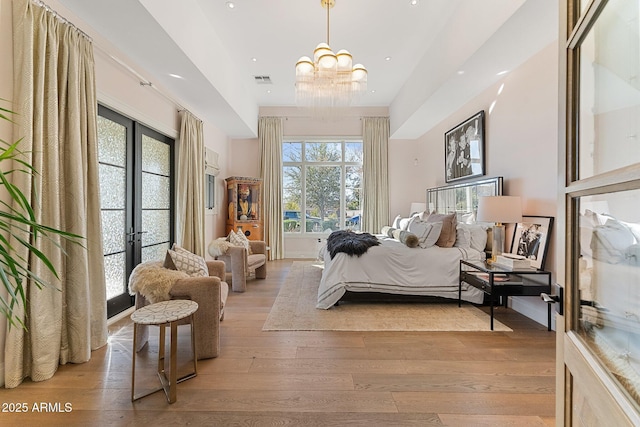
x: 167, y: 384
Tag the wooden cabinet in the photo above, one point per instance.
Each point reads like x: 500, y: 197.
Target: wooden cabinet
x: 244, y: 200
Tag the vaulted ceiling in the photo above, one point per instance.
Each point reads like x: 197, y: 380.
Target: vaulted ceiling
x: 425, y: 61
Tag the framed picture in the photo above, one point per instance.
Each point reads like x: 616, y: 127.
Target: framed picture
x: 531, y: 239
x: 464, y: 149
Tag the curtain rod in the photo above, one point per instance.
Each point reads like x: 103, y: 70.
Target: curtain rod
x: 60, y: 17
x: 143, y: 81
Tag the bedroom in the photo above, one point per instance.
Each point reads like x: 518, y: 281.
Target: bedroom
x: 522, y: 126
x: 520, y: 106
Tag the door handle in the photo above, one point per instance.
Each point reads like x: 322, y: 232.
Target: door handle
x: 558, y: 298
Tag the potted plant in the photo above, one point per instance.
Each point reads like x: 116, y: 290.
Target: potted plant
x: 19, y: 228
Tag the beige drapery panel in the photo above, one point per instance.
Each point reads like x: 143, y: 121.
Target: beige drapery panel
x: 190, y: 193
x: 55, y: 95
x: 375, y: 181
x: 270, y: 136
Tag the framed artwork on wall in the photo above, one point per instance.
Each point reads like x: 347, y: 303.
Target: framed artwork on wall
x: 464, y: 149
x: 531, y: 239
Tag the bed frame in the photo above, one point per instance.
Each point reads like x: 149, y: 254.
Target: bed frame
x: 462, y: 198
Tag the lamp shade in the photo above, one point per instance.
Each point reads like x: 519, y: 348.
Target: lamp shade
x: 499, y: 209
x: 417, y: 207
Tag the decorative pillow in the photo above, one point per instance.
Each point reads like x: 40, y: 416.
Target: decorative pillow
x: 218, y: 247
x: 182, y: 260
x: 463, y: 237
x: 478, y: 235
x: 239, y: 239
x: 387, y: 231
x: 409, y: 239
x: 448, y: 234
x: 401, y: 223
x: 468, y: 218
x: 427, y: 232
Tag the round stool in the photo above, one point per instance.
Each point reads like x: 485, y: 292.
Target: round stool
x: 162, y: 314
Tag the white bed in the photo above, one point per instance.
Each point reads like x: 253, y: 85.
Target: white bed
x: 393, y: 268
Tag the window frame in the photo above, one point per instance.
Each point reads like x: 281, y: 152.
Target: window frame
x: 303, y: 164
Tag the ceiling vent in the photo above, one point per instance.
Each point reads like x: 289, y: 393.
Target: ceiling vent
x: 263, y: 80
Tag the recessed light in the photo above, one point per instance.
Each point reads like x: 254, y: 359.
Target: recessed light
x: 460, y: 72
x: 176, y: 76
x: 230, y: 4
x: 414, y: 2
x: 388, y: 58
x: 269, y: 91
x: 254, y: 59
x: 373, y: 91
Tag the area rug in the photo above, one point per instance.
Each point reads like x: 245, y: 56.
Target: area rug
x: 295, y: 310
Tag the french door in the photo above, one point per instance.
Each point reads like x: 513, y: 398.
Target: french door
x: 598, y: 346
x: 136, y: 194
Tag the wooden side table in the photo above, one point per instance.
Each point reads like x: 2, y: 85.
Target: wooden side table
x: 496, y: 281
x: 162, y: 314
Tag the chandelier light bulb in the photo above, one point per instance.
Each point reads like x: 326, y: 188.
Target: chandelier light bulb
x: 304, y: 67
x: 345, y: 61
x: 359, y: 73
x: 327, y: 62
x: 320, y: 50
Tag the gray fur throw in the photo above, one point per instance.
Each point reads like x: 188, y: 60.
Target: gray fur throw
x: 350, y: 243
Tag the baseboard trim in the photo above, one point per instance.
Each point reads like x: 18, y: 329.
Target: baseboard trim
x: 120, y: 316
x: 533, y: 309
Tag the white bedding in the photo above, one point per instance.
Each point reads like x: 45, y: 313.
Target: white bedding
x: 394, y: 268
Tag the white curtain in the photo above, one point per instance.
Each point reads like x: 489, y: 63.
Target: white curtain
x: 190, y: 192
x: 375, y: 201
x: 55, y: 95
x: 270, y: 136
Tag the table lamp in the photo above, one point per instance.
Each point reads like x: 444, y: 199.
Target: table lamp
x: 499, y: 210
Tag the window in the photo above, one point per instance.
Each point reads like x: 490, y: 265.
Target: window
x: 322, y: 185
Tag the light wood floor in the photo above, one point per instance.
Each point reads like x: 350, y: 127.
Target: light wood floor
x: 315, y: 378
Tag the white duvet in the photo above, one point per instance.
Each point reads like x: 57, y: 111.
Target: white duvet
x: 394, y: 268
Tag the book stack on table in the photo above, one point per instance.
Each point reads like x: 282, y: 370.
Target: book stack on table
x: 512, y: 261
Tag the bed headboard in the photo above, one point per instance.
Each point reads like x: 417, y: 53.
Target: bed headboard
x: 462, y: 198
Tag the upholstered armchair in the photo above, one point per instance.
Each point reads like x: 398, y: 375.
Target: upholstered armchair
x: 209, y: 292
x: 241, y: 264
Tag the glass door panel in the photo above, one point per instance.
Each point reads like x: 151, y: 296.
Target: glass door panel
x: 609, y: 114
x: 609, y: 273
x: 156, y: 197
x: 112, y: 158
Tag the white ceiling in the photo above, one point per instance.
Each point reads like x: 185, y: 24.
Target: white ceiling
x: 442, y: 52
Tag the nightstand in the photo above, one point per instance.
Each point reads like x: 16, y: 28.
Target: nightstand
x: 498, y: 282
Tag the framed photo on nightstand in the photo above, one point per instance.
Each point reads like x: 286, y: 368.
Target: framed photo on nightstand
x: 531, y: 239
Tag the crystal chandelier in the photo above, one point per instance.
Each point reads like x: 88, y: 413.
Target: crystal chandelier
x: 329, y: 80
